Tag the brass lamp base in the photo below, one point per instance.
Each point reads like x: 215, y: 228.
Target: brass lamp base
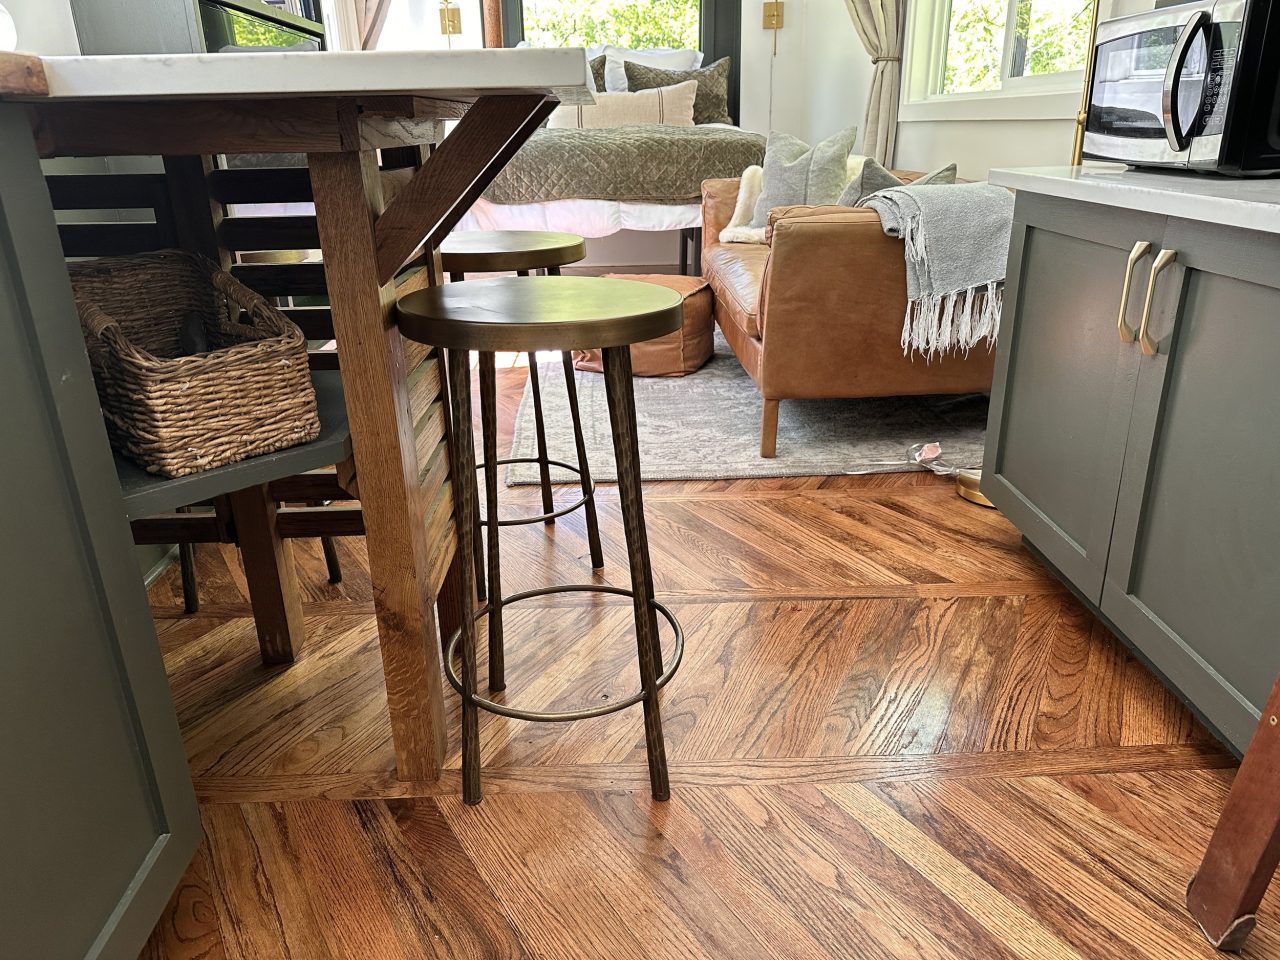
x: 967, y: 485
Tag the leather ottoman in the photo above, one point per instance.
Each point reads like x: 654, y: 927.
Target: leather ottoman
x: 676, y: 354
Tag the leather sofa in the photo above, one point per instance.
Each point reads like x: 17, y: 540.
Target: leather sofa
x: 817, y: 311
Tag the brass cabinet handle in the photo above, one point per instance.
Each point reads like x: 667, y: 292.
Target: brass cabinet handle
x: 1163, y: 259
x: 1137, y: 253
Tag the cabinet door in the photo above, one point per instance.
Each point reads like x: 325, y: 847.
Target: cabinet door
x: 1194, y: 576
x: 97, y: 814
x: 1064, y: 378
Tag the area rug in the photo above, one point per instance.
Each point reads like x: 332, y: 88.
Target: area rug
x: 707, y: 426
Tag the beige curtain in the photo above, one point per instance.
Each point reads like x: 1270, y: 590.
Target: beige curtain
x: 372, y: 14
x: 880, y: 25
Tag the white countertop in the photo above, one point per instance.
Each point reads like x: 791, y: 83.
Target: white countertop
x: 445, y: 74
x: 1252, y: 204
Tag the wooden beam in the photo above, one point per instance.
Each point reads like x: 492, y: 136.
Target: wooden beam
x: 269, y: 233
x: 348, y: 199
x: 314, y: 485
x: 283, y: 279
x: 294, y: 522
x: 293, y: 125
x: 270, y: 573
x: 179, y: 528
x: 455, y: 175
x: 1245, y: 848
x: 109, y: 239
x: 22, y: 75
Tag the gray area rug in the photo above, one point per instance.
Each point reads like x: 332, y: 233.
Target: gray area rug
x: 707, y: 426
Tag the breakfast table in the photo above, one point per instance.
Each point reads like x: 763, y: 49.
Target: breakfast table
x: 338, y: 109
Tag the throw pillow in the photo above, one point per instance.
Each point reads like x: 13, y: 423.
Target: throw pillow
x: 739, y: 229
x: 867, y: 176
x: 712, y: 103
x: 615, y: 74
x: 672, y: 106
x: 795, y: 172
x: 596, y: 64
x: 945, y: 174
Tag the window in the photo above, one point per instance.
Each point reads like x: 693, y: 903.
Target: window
x: 966, y: 48
x: 625, y: 23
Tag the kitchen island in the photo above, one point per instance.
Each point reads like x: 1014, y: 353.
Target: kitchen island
x: 1132, y: 441
x: 86, y: 684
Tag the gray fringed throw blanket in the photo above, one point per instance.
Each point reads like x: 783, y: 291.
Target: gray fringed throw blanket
x: 957, y: 242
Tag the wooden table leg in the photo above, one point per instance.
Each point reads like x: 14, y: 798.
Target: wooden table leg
x: 348, y: 199
x: 270, y: 573
x: 1245, y: 848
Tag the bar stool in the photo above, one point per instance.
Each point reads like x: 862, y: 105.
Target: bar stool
x: 547, y: 313
x: 524, y: 251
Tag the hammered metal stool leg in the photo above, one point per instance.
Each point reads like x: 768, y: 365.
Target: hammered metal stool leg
x: 622, y: 419
x: 489, y: 438
x: 463, y: 455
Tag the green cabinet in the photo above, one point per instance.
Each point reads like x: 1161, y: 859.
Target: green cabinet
x: 1146, y: 474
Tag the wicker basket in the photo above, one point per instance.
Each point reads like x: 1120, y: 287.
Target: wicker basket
x: 194, y: 370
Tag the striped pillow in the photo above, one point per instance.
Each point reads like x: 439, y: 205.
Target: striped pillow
x: 671, y: 105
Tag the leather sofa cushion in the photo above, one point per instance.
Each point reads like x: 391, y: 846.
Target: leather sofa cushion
x: 736, y: 273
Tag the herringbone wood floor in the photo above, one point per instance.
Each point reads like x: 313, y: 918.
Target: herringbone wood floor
x: 893, y: 735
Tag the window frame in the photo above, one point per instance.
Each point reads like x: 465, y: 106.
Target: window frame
x: 719, y: 30
x: 1053, y: 96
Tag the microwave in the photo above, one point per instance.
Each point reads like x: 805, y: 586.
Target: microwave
x: 1193, y: 86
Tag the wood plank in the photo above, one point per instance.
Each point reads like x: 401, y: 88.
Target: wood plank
x: 316, y: 323
x: 261, y: 185
x: 294, y: 522
x: 295, y: 232
x: 454, y: 176
x: 109, y: 239
x: 22, y: 75
x: 206, y: 127
x: 271, y: 574
x: 283, y: 279
x: 104, y: 191
x: 349, y: 198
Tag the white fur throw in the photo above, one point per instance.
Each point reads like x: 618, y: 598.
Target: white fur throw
x: 739, y: 229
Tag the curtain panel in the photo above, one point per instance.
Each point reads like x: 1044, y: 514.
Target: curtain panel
x: 371, y: 15
x: 880, y: 26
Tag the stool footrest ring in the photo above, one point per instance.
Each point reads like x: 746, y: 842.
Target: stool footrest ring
x: 542, y: 517
x: 562, y: 716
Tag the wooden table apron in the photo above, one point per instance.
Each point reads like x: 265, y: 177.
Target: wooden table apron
x: 364, y: 242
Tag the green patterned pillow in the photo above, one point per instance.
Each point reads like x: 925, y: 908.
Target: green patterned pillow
x: 597, y: 72
x: 712, y: 102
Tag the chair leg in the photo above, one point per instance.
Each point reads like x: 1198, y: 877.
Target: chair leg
x: 684, y: 251
x: 622, y: 418
x: 696, y: 234
x: 584, y: 470
x: 331, y: 561
x: 187, y: 567
x: 489, y: 430
x: 540, y: 430
x: 769, y: 429
x: 462, y: 441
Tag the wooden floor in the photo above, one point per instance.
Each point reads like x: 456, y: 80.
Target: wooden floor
x: 893, y: 735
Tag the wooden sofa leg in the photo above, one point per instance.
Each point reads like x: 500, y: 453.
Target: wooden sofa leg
x: 769, y: 429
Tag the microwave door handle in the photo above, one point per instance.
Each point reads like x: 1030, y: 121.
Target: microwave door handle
x: 1173, y: 130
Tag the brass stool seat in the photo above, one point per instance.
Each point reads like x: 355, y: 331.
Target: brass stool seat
x: 500, y: 251
x: 530, y: 314
x: 527, y: 251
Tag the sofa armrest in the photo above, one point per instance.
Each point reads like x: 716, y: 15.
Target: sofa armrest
x: 718, y: 200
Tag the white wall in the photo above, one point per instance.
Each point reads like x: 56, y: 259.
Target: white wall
x: 975, y: 146
x: 816, y: 84
x: 44, y: 27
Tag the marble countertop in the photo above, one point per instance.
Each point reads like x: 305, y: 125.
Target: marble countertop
x: 444, y: 74
x: 1252, y: 204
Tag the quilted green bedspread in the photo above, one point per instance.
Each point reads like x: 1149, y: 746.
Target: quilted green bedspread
x: 640, y: 164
